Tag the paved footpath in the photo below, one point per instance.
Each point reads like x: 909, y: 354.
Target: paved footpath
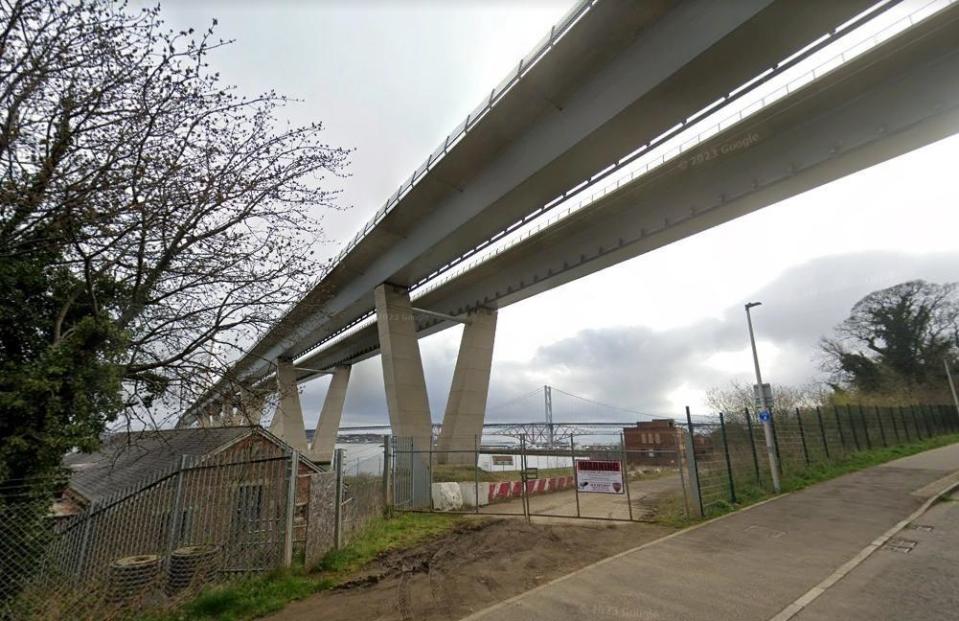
x: 756, y: 563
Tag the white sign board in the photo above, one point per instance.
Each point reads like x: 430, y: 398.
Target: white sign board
x: 599, y: 476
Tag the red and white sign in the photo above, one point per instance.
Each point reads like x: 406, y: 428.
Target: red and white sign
x: 599, y: 476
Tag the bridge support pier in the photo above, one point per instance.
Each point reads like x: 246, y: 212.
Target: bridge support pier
x: 287, y: 422
x: 466, y: 407
x: 324, y: 436
x: 405, y: 383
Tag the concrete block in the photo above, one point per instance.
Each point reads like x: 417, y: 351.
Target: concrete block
x: 447, y: 497
x: 468, y: 491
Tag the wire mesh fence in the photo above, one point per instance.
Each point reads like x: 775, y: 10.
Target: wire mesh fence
x: 511, y: 476
x: 151, y: 546
x: 731, y: 457
x: 147, y: 546
x: 665, y: 469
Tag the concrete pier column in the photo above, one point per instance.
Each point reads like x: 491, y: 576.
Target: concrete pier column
x: 403, y: 376
x: 287, y: 422
x: 466, y: 407
x: 249, y: 407
x: 406, y: 398
x: 324, y: 436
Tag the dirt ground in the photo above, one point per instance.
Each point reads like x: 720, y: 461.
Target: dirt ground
x: 478, y: 564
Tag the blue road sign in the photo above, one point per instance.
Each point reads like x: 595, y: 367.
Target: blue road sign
x: 764, y: 416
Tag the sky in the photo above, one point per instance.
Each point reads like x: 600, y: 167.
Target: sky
x: 391, y: 78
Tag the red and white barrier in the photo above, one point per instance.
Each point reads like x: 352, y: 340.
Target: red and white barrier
x: 503, y: 490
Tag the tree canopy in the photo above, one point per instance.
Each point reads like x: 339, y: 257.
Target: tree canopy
x: 152, y: 221
x: 896, y: 339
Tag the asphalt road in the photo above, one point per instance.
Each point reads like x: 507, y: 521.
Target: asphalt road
x: 755, y: 563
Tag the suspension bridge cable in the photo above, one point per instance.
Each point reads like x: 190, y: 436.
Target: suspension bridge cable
x: 515, y: 399
x: 599, y: 403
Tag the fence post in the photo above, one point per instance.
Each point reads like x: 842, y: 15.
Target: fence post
x: 947, y: 417
x: 895, y: 429
x: 915, y: 421
x: 802, y: 437
x: 882, y: 430
x: 752, y: 445
x: 822, y: 432
x: 290, y: 509
x: 693, y: 468
x: 936, y: 420
x: 85, y: 539
x: 173, y: 534
x: 865, y: 427
x: 852, y: 427
x: 905, y: 423
x: 387, y: 473
x: 729, y: 465
x: 338, y: 501
x: 842, y: 437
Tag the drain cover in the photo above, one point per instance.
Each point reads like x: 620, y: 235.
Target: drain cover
x: 903, y: 546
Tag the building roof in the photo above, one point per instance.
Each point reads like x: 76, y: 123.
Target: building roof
x: 133, y: 458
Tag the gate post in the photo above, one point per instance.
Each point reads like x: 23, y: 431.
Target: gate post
x: 290, y: 508
x: 338, y: 502
x: 625, y: 467
x: 729, y: 465
x: 387, y: 473
x: 572, y: 456
x: 697, y: 498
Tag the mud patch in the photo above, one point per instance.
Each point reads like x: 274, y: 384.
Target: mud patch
x: 475, y: 566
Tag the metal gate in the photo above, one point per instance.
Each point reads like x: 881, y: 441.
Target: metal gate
x: 628, y: 476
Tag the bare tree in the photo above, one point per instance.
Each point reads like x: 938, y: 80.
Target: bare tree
x: 734, y: 399
x: 154, y: 217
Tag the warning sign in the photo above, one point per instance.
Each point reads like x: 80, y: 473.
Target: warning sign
x: 599, y: 477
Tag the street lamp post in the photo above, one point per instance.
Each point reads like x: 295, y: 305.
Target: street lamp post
x: 766, y: 420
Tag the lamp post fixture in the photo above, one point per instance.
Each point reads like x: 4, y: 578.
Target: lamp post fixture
x: 765, y: 415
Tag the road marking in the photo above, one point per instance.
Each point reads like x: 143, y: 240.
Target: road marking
x: 812, y: 594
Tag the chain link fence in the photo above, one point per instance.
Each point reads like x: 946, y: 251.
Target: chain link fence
x: 154, y: 545
x: 147, y: 546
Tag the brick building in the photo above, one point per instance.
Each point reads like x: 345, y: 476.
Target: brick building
x: 652, y: 443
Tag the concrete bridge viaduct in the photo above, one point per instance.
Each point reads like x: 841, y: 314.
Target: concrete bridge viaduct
x: 630, y: 126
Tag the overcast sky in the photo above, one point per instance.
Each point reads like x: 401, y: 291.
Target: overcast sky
x: 392, y: 78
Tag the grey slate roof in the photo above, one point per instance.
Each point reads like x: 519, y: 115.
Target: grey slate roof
x: 128, y: 459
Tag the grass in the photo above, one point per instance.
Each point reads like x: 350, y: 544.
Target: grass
x: 257, y: 596
x: 794, y: 480
x: 815, y: 473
